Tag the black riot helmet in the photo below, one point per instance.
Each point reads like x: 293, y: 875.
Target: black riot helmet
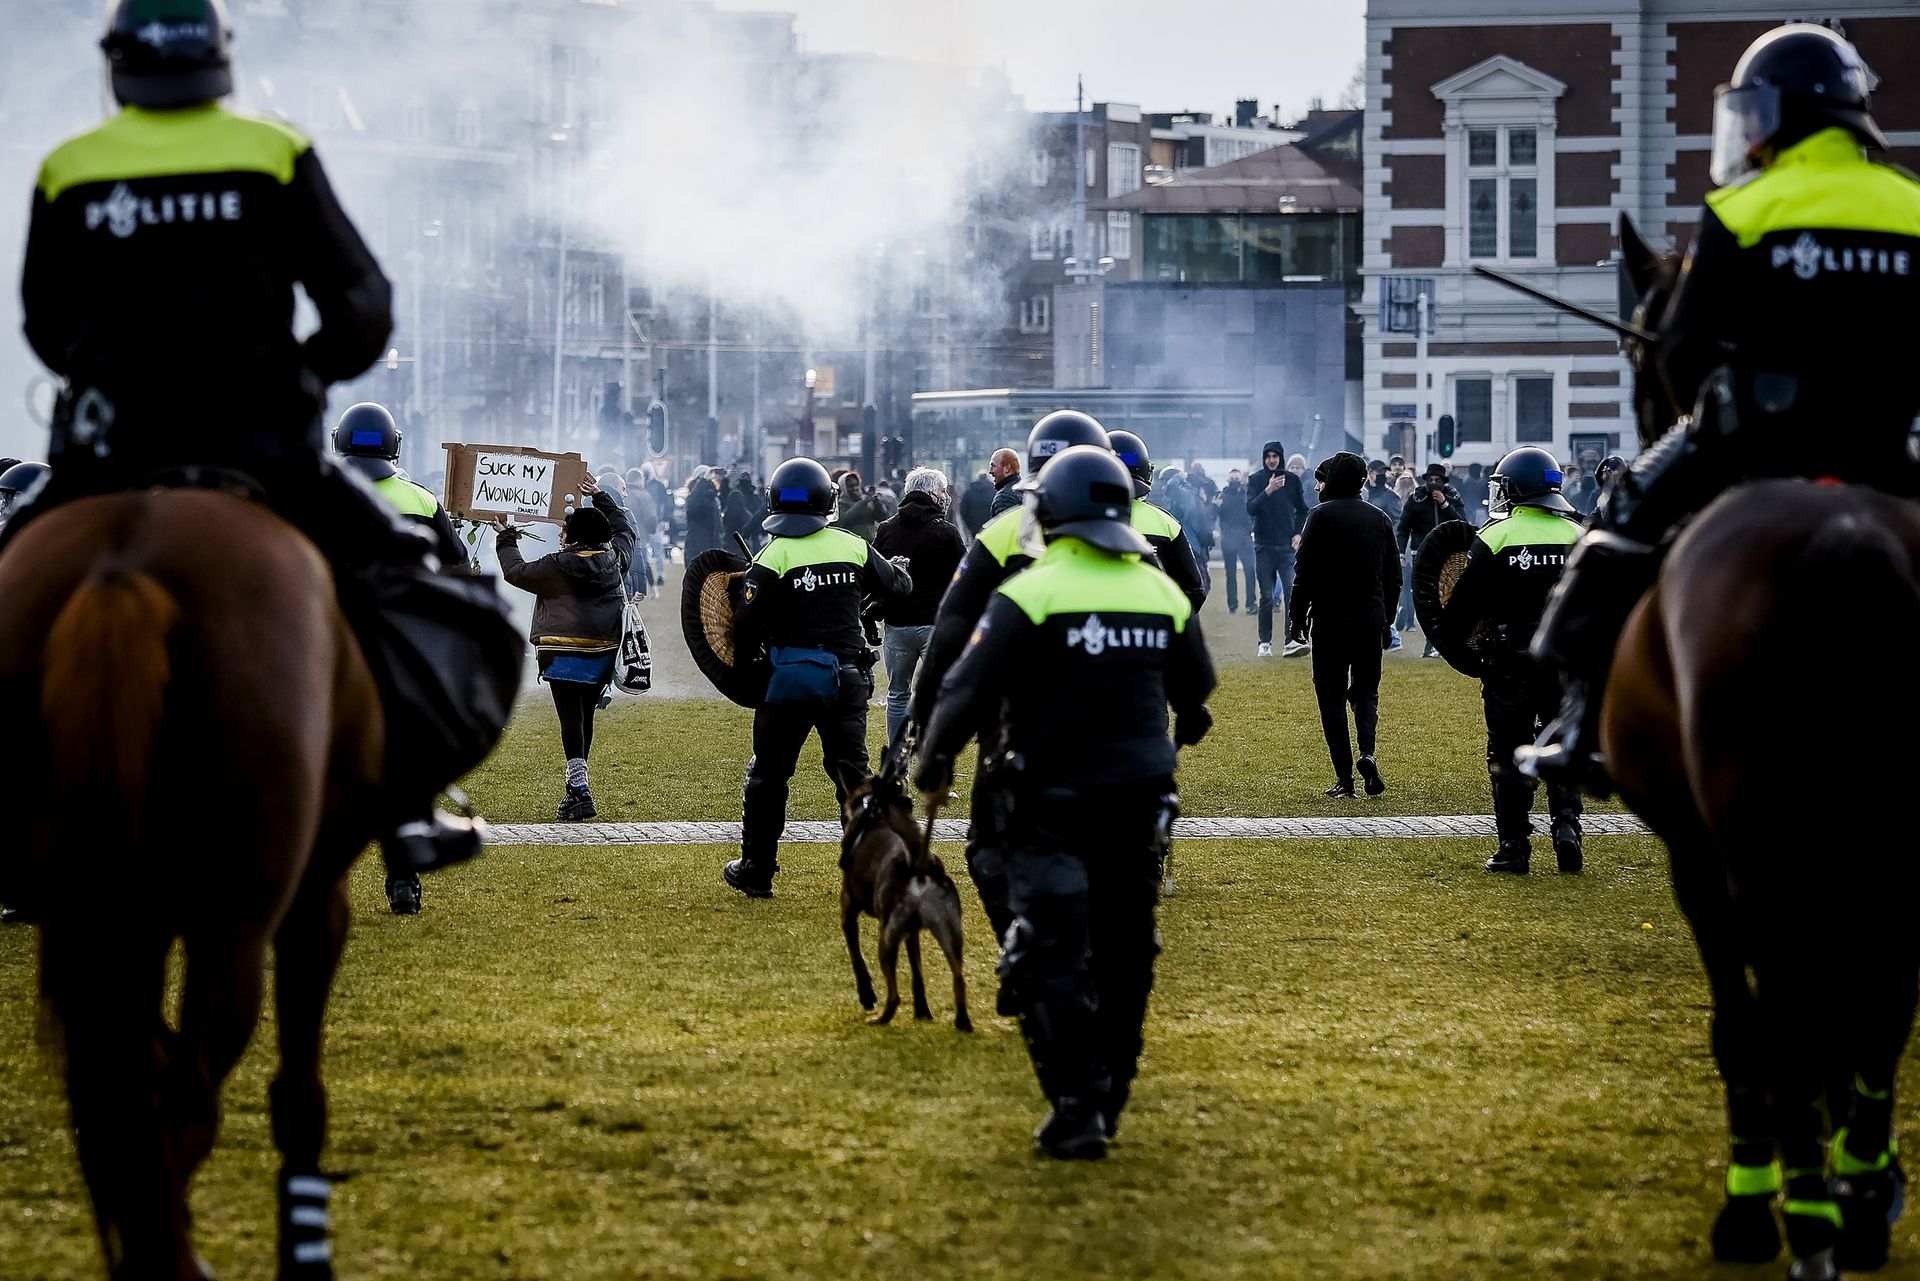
x: 370, y: 440
x: 169, y: 53
x: 799, y: 499
x: 1060, y: 430
x: 1790, y: 83
x: 1528, y: 477
x: 17, y: 485
x: 1085, y: 493
x: 1132, y: 453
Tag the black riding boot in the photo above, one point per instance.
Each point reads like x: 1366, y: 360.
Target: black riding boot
x: 1610, y: 570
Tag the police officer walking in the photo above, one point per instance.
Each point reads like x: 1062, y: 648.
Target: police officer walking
x: 1791, y: 331
x: 1514, y: 561
x: 996, y: 554
x: 801, y: 599
x: 1163, y: 531
x: 1079, y: 658
x: 178, y: 228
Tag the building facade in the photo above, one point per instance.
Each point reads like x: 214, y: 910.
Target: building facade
x: 1516, y: 134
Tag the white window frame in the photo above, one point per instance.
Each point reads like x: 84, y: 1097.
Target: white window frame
x: 1502, y: 173
x: 1123, y: 169
x: 1042, y: 239
x: 1555, y: 424
x: 1500, y: 93
x: 1036, y: 314
x: 1040, y: 167
x: 1119, y: 234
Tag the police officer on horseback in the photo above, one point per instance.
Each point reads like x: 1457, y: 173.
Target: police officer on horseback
x: 802, y: 599
x: 1512, y: 565
x: 180, y: 228
x: 1079, y: 658
x: 1790, y: 333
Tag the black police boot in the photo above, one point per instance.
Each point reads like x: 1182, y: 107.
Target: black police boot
x: 1605, y: 578
x: 1566, y: 843
x: 403, y: 895
x: 1342, y: 790
x: 1514, y: 857
x: 431, y: 843
x: 1073, y: 1131
x: 749, y: 880
x: 1370, y: 773
x: 576, y: 806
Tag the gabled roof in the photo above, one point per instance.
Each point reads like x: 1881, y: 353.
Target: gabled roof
x: 1272, y: 181
x: 1499, y: 77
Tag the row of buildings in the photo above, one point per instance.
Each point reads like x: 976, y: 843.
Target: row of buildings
x: 1212, y: 283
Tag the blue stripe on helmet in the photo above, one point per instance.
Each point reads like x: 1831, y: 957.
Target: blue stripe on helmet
x: 1130, y: 459
x: 375, y: 438
x: 1553, y: 477
x: 793, y: 495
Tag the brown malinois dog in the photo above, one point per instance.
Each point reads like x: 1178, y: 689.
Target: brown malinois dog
x: 889, y: 871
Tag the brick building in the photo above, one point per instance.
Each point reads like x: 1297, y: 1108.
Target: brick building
x: 1515, y: 133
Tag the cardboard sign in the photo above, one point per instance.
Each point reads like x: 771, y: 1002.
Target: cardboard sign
x: 485, y: 481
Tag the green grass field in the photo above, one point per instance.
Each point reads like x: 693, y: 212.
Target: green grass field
x: 1364, y: 1059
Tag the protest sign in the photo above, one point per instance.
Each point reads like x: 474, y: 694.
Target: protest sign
x: 485, y: 481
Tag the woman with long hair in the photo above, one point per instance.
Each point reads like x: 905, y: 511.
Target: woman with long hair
x: 580, y: 604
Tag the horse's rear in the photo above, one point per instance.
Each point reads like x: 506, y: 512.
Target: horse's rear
x: 207, y: 747
x: 1761, y: 720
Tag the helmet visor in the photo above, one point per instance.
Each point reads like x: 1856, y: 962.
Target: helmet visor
x: 1499, y: 495
x: 1744, y: 120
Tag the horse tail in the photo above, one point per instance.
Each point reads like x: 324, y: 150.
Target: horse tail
x: 105, y: 672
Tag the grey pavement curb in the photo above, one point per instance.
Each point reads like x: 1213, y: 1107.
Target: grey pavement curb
x: 1191, y: 829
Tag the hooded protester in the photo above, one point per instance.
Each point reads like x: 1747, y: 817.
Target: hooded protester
x: 1277, y: 504
x: 921, y: 532
x: 1348, y: 579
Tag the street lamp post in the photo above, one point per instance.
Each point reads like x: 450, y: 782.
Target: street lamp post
x: 559, y: 137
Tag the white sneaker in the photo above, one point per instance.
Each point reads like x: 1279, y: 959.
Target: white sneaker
x: 1294, y: 647
x: 1265, y: 651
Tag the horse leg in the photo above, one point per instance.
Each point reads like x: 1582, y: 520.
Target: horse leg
x: 1868, y: 1183
x: 920, y: 1008
x: 306, y: 954
x: 890, y: 963
x: 106, y: 987
x: 850, y: 926
x: 219, y: 1008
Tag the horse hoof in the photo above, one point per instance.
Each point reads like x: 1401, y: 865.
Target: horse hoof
x: 868, y: 1000
x: 1870, y: 1204
x: 961, y: 1023
x: 1817, y: 1266
x: 1745, y: 1231
x: 922, y: 1014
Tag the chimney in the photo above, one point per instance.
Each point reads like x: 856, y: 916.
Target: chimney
x: 1244, y: 111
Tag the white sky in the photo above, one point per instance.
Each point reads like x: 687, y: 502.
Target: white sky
x: 1163, y: 56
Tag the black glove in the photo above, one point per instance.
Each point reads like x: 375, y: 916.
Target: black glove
x: 1190, y: 727
x: 934, y: 775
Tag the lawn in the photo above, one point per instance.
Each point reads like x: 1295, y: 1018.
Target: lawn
x: 1365, y: 1059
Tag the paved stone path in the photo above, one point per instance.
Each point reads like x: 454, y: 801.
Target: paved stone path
x: 1190, y: 829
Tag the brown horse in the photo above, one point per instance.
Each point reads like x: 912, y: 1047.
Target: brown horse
x: 203, y: 769
x: 1761, y: 697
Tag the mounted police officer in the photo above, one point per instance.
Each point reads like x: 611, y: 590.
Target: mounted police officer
x: 1791, y: 330
x: 997, y: 553
x: 801, y: 598
x: 1079, y: 658
x: 1164, y: 532
x: 1514, y: 561
x: 180, y: 228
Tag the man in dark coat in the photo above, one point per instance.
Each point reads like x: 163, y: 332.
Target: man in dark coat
x: 1004, y: 470
x: 1347, y: 580
x: 976, y: 505
x: 703, y: 517
x: 1277, y: 506
x: 921, y: 532
x: 1434, y: 500
x: 736, y: 512
x: 1236, y: 541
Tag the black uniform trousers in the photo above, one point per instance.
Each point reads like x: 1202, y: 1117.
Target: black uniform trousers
x: 1346, y: 670
x: 1237, y: 553
x: 779, y: 732
x: 1084, y: 878
x: 986, y: 836
x: 1520, y: 697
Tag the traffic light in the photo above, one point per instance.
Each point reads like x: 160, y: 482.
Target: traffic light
x: 657, y: 427
x: 1447, y: 435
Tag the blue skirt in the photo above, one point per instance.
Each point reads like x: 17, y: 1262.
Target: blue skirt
x: 578, y: 669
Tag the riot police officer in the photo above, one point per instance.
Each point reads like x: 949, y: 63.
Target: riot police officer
x: 1166, y: 535
x: 801, y: 599
x: 369, y: 440
x: 177, y: 228
x: 1514, y: 561
x: 998, y: 551
x: 1791, y: 330
x: 1079, y: 658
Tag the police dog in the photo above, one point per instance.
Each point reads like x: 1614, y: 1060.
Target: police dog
x: 889, y: 872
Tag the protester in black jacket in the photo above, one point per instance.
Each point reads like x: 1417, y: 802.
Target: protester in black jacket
x: 1236, y: 541
x: 1433, y: 501
x: 703, y: 517
x: 1277, y: 504
x: 976, y: 504
x: 577, y: 621
x: 737, y: 511
x: 921, y: 532
x: 1004, y: 469
x: 1348, y: 580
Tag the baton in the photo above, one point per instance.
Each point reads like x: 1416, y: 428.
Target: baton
x: 1605, y: 321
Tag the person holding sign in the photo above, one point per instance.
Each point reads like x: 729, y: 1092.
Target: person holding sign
x: 581, y: 598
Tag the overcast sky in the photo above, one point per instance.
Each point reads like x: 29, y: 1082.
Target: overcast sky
x: 1164, y: 57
